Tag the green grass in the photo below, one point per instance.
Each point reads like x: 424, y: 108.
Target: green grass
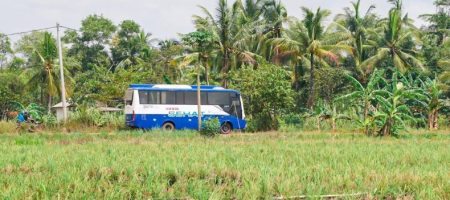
x: 248, y: 166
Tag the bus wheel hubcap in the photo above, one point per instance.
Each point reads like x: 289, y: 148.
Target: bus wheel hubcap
x: 168, y: 127
x: 226, y: 128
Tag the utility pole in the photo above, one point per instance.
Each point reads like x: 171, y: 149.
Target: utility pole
x: 199, y: 100
x: 61, y: 72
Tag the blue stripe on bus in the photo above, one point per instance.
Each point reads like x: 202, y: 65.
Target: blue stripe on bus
x: 150, y: 121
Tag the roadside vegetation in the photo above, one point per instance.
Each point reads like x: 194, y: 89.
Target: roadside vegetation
x: 358, y: 106
x: 379, y: 72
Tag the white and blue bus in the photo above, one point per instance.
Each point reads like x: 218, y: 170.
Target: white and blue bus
x: 175, y: 107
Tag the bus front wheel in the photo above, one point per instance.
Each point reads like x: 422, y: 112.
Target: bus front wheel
x: 226, y: 128
x: 168, y: 126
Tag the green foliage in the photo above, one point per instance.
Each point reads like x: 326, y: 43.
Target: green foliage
x: 49, y: 121
x: 11, y: 89
x: 91, y: 117
x: 267, y: 94
x: 210, y: 127
x: 253, y: 46
x: 33, y: 109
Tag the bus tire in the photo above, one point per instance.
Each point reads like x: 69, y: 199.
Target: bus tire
x: 226, y: 128
x: 168, y: 126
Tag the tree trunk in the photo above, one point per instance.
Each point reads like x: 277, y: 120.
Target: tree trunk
x: 430, y: 120
x: 296, y: 84
x: 225, y: 68
x: 366, y: 113
x: 204, y: 61
x: 311, y: 97
x: 386, y: 130
x: 49, y: 103
x: 435, y: 119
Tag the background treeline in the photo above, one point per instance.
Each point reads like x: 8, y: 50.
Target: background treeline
x: 374, y: 73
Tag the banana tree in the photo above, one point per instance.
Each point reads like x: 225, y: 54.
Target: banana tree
x: 33, y: 109
x: 392, y: 110
x: 366, y: 95
x: 432, y: 102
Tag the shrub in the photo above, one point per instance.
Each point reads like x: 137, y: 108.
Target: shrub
x: 210, y: 127
x: 49, y: 121
x: 266, y: 93
x: 91, y: 117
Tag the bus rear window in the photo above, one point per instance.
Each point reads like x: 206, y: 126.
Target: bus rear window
x: 129, y: 97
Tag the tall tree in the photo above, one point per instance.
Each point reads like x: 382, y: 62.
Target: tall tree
x: 440, y: 21
x: 129, y: 45
x: 45, y: 73
x: 229, y: 34
x: 90, y: 45
x: 358, y: 24
x: 309, y: 44
x: 5, y: 50
x: 201, y: 43
x: 395, y: 44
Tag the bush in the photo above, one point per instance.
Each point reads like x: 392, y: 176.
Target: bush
x: 49, y: 121
x: 267, y: 94
x: 210, y: 127
x: 91, y: 117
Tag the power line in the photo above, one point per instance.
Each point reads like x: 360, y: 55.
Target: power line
x: 69, y: 28
x: 41, y: 29
x: 30, y: 31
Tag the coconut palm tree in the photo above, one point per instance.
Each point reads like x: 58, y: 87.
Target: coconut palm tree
x: 398, y: 32
x: 230, y: 35
x: 440, y: 21
x: 274, y: 14
x: 358, y: 26
x: 308, y: 43
x: 45, y: 74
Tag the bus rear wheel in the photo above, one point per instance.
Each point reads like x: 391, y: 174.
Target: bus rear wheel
x: 168, y: 126
x: 226, y: 128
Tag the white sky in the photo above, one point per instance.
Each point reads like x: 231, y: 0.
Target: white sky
x: 163, y: 18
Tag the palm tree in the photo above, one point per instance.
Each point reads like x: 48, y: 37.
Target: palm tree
x: 274, y: 14
x: 45, y: 73
x: 440, y: 21
x: 358, y: 26
x: 230, y: 35
x: 308, y: 43
x: 391, y: 44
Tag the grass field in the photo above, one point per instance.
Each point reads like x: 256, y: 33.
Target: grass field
x: 242, y: 166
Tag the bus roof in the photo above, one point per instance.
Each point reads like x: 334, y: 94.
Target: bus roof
x: 163, y: 87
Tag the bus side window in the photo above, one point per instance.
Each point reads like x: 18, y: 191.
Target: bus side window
x: 190, y: 98
x: 149, y: 97
x: 168, y: 97
x: 180, y: 98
